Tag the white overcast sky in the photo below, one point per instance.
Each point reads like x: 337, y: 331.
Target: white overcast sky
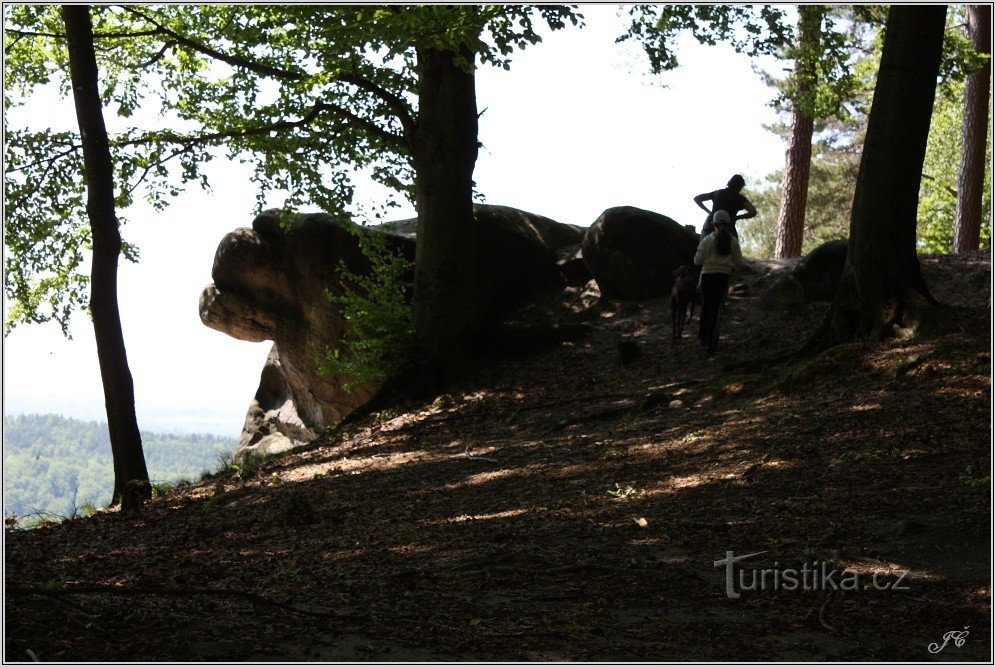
x: 574, y: 128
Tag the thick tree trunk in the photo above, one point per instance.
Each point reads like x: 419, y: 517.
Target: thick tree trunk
x: 447, y: 304
x: 882, y: 288
x: 971, y: 174
x: 799, y: 153
x: 131, y: 478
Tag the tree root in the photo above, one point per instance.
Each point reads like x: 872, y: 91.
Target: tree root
x: 99, y: 589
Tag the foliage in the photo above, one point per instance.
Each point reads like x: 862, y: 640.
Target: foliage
x: 939, y: 187
x: 821, y: 83
x: 225, y: 462
x: 376, y: 305
x: 310, y: 95
x: 51, y: 463
x: 826, y: 83
x: 840, y: 139
x: 248, y: 466
x: 752, y: 29
x: 824, y: 79
x: 833, y: 171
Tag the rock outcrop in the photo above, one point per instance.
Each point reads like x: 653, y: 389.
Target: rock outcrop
x: 271, y: 283
x: 814, y: 278
x: 274, y: 422
x: 517, y: 252
x: 632, y: 253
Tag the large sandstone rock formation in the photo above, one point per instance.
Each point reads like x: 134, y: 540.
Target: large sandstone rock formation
x: 814, y: 278
x: 632, y: 253
x: 517, y: 252
x: 270, y: 284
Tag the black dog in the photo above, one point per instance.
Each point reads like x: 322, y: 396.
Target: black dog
x: 682, y: 300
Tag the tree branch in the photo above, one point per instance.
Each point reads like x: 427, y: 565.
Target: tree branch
x: 50, y: 159
x: 235, y: 61
x: 10, y: 44
x: 155, y: 164
x: 189, y: 141
x: 31, y: 33
x: 366, y: 125
x: 96, y: 35
x: 396, y: 104
x: 120, y: 35
x: 307, y: 119
x: 156, y: 58
x: 947, y: 188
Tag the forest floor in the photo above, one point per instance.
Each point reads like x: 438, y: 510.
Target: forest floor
x: 560, y: 504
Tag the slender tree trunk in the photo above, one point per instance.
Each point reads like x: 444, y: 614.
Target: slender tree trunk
x: 447, y: 304
x: 131, y: 479
x: 971, y: 174
x: 882, y: 287
x: 799, y: 153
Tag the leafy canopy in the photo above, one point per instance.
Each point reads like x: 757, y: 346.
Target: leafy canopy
x: 823, y: 77
x: 310, y: 96
x: 839, y: 141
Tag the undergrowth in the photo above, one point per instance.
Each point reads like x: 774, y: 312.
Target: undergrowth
x: 379, y: 315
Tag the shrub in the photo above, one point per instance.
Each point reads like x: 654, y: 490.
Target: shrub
x: 375, y: 306
x: 249, y: 465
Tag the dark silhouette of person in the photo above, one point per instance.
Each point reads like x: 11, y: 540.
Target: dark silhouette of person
x: 728, y: 199
x: 718, y: 255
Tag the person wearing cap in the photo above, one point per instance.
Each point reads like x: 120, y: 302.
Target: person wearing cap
x: 718, y: 254
x: 728, y: 199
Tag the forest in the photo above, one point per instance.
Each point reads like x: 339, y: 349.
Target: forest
x: 58, y: 467
x: 482, y: 434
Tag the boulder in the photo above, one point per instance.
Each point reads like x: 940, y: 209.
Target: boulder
x: 785, y: 295
x: 283, y: 412
x: 813, y: 278
x: 819, y: 271
x: 632, y: 253
x: 517, y: 251
x: 271, y: 283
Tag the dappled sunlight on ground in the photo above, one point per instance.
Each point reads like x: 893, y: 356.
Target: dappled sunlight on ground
x: 559, y: 505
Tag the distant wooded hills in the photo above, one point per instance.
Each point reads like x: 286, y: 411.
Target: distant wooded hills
x: 56, y: 464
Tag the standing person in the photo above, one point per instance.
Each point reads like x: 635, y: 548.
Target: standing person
x: 718, y: 254
x: 728, y: 199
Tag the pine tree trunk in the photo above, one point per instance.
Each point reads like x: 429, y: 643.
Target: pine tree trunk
x: 971, y: 174
x: 447, y: 304
x: 799, y: 153
x: 882, y: 287
x: 131, y: 478
x: 795, y: 187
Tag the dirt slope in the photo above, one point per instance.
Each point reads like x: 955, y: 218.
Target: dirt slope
x: 562, y: 505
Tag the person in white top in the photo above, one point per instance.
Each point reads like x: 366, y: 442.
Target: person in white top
x: 718, y: 255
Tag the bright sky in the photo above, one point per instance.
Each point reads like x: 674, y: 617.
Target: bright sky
x: 574, y: 128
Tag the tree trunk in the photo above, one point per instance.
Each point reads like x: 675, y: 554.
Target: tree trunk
x: 447, y: 303
x: 971, y: 174
x: 882, y: 288
x: 131, y: 479
x: 798, y: 155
